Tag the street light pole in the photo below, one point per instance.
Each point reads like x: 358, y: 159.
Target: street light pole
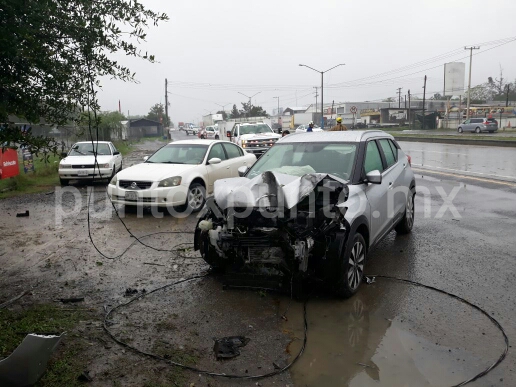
x: 278, y: 105
x: 322, y: 88
x: 249, y: 98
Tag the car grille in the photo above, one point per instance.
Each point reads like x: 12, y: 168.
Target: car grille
x: 80, y: 166
x: 139, y: 184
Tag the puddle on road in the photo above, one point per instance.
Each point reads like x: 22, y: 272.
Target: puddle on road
x: 383, y: 337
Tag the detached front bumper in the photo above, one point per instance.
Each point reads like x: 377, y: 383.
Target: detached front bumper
x: 85, y: 173
x: 154, y: 196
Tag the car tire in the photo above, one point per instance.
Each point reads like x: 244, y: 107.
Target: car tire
x: 477, y: 130
x: 350, y: 277
x: 64, y: 182
x: 459, y: 129
x: 406, y: 223
x: 121, y: 166
x: 196, y: 197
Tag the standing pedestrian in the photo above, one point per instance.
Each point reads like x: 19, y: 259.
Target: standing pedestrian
x: 339, y: 127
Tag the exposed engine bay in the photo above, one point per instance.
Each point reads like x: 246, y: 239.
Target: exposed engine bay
x: 280, y: 224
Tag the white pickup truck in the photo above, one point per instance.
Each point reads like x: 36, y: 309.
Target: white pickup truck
x: 254, y: 137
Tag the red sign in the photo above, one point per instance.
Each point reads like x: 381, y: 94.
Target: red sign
x: 9, y: 164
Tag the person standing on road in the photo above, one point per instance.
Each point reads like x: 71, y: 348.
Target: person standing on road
x: 310, y: 127
x: 339, y: 127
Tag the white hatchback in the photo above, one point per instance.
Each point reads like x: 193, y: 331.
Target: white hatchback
x: 89, y: 160
x: 182, y: 172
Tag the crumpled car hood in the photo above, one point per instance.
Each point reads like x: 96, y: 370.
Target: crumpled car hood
x: 268, y: 189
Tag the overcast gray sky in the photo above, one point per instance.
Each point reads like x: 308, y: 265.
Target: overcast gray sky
x: 210, y: 50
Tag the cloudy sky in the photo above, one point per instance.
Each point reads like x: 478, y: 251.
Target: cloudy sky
x: 212, y: 50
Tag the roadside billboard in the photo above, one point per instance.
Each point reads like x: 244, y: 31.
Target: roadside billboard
x: 454, y: 73
x: 9, y: 163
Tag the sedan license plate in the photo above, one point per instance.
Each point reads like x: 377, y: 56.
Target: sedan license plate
x: 82, y: 173
x: 131, y: 195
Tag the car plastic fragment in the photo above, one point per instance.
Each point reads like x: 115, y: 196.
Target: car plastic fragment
x: 227, y: 347
x: 28, y: 362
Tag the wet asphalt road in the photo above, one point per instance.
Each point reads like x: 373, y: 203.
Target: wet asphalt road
x: 478, y: 161
x: 389, y: 334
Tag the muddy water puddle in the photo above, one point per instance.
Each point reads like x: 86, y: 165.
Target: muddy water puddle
x: 390, y: 334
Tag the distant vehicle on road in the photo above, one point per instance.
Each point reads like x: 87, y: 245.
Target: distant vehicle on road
x: 254, y: 137
x: 182, y: 172
x: 209, y: 132
x: 192, y: 130
x: 478, y: 125
x: 89, y: 161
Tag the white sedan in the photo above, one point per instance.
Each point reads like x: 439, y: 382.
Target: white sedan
x: 303, y: 128
x: 81, y: 164
x: 180, y: 173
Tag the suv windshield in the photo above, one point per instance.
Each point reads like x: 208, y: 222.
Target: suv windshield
x: 179, y: 154
x: 255, y: 128
x: 301, y: 158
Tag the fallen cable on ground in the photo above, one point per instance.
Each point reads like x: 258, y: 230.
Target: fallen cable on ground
x: 368, y: 280
x: 194, y: 369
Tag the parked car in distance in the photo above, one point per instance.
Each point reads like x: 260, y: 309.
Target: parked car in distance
x: 180, y: 173
x: 303, y: 128
x: 192, y: 130
x: 478, y: 125
x: 209, y: 132
x: 315, y: 205
x: 89, y: 160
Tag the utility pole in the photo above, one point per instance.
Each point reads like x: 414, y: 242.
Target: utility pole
x: 469, y: 82
x: 166, y: 106
x: 409, y: 108
x: 316, y: 95
x: 424, y: 95
x: 399, y: 97
x: 507, y: 97
x: 405, y: 101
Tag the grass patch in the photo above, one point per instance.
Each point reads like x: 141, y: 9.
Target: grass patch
x: 68, y: 362
x: 124, y: 146
x: 44, y: 178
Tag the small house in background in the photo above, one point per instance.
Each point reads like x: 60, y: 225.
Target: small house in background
x: 143, y: 127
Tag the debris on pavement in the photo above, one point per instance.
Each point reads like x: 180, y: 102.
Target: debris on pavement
x: 369, y: 280
x: 130, y: 291
x: 28, y: 362
x: 85, y: 377
x: 9, y: 302
x: 71, y: 299
x: 22, y: 214
x: 227, y: 347
x: 152, y: 263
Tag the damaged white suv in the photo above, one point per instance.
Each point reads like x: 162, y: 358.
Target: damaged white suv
x: 313, y: 205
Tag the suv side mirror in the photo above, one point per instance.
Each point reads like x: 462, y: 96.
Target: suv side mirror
x: 116, y: 153
x: 228, y: 133
x: 374, y: 177
x: 145, y: 158
x: 242, y: 170
x: 64, y: 154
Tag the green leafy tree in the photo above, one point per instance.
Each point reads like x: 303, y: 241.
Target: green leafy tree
x: 235, y: 113
x: 249, y: 110
x: 110, y: 125
x: 157, y: 113
x: 54, y: 53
